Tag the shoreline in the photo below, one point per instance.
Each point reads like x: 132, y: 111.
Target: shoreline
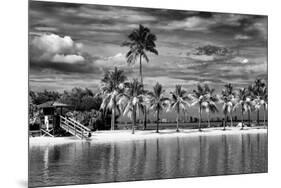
x: 126, y: 135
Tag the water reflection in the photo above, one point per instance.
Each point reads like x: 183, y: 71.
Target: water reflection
x: 89, y: 162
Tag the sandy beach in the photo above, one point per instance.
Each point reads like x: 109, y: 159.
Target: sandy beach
x: 126, y: 135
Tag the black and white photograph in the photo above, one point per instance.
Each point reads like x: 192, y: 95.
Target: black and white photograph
x: 122, y: 93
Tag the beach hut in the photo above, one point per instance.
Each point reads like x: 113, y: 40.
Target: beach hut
x: 51, y: 111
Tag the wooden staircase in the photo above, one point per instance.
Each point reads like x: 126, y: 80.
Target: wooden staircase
x: 75, y: 128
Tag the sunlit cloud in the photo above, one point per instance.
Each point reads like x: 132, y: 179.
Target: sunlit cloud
x: 241, y: 37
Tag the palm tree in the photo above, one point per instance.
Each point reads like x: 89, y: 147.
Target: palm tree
x: 157, y: 101
x: 228, y: 100
x: 230, y: 94
x: 243, y: 101
x: 258, y: 89
x: 257, y: 104
x: 112, y: 87
x: 198, y: 98
x: 261, y: 101
x: 210, y: 103
x: 264, y: 103
x: 133, y: 100
x: 178, y: 101
x: 140, y: 41
x: 226, y: 108
x: 250, y: 97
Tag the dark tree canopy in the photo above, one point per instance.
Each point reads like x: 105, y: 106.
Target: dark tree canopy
x: 44, y: 96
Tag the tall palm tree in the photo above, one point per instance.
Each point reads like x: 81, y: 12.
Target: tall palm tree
x: 199, y: 98
x: 112, y: 87
x: 133, y: 101
x: 178, y: 101
x: 157, y: 101
x: 210, y: 103
x: 140, y: 42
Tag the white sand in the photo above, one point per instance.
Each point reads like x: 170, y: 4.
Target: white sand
x: 126, y: 135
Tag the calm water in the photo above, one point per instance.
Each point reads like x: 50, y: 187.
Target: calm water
x: 89, y: 162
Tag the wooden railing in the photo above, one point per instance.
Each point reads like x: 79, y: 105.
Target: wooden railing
x: 75, y: 128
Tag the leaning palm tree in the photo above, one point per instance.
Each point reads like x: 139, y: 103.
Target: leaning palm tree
x: 133, y: 101
x: 178, y: 101
x: 112, y: 87
x: 140, y: 42
x: 210, y: 103
x: 157, y: 101
x: 198, y: 98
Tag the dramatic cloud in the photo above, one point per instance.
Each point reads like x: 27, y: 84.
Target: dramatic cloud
x: 74, y: 44
x: 54, y: 52
x: 51, y: 47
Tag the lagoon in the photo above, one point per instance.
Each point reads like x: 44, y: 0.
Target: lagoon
x: 83, y: 162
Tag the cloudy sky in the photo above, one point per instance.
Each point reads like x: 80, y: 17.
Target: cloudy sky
x: 72, y: 45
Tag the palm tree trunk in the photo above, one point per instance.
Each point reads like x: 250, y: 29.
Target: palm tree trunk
x: 112, y: 118
x: 209, y: 124
x: 242, y: 120
x: 199, y: 118
x: 258, y: 117
x: 144, y: 112
x: 145, y: 118
x: 264, y: 116
x: 157, y: 116
x: 134, y: 120
x: 178, y: 114
x: 231, y: 121
x: 141, y: 71
x: 224, y: 125
x: 249, y: 118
